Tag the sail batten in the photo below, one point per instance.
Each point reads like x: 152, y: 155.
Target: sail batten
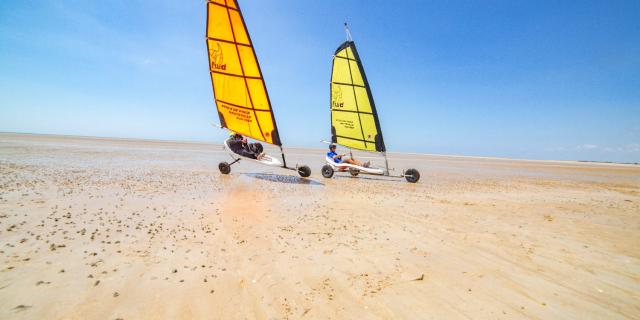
x: 354, y: 119
x: 240, y: 92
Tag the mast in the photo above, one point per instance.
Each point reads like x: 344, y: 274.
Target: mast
x: 346, y: 29
x: 284, y: 161
x: 386, y: 163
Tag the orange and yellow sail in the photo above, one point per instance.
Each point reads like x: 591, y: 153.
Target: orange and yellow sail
x: 354, y: 119
x: 240, y: 93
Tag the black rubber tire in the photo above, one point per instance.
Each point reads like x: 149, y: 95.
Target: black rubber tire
x: 224, y: 167
x: 327, y: 171
x: 304, y: 171
x: 354, y: 172
x: 412, y: 175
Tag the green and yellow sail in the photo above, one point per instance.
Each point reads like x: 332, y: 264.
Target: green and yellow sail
x: 240, y: 93
x: 354, y: 119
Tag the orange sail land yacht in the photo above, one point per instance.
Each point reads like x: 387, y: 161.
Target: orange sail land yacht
x: 240, y: 92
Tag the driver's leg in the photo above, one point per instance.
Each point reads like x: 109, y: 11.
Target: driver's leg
x: 247, y: 154
x: 351, y: 161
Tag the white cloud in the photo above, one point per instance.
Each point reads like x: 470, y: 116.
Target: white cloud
x: 629, y: 148
x: 587, y: 147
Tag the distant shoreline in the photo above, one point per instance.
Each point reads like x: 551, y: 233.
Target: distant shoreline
x: 610, y: 162
x: 213, y: 143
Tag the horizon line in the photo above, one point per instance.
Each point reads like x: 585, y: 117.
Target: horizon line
x: 311, y: 148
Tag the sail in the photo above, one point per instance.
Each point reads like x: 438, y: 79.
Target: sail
x: 240, y: 93
x: 354, y: 119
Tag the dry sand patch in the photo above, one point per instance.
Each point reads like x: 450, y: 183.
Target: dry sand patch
x: 133, y: 229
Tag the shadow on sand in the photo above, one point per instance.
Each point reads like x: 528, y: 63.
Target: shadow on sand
x: 368, y: 177
x: 284, y: 179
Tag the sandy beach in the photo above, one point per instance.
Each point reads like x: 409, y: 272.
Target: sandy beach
x: 121, y: 229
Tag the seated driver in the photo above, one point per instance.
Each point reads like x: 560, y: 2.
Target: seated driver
x: 340, y: 158
x: 239, y: 144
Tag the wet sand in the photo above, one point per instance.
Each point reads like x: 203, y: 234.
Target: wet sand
x: 119, y: 229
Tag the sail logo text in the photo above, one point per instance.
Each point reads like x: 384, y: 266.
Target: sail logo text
x: 337, y: 101
x: 217, y: 58
x: 237, y: 113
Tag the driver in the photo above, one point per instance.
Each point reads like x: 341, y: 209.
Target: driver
x: 340, y: 158
x: 239, y: 144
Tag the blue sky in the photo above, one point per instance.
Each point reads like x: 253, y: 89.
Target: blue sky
x: 524, y: 79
